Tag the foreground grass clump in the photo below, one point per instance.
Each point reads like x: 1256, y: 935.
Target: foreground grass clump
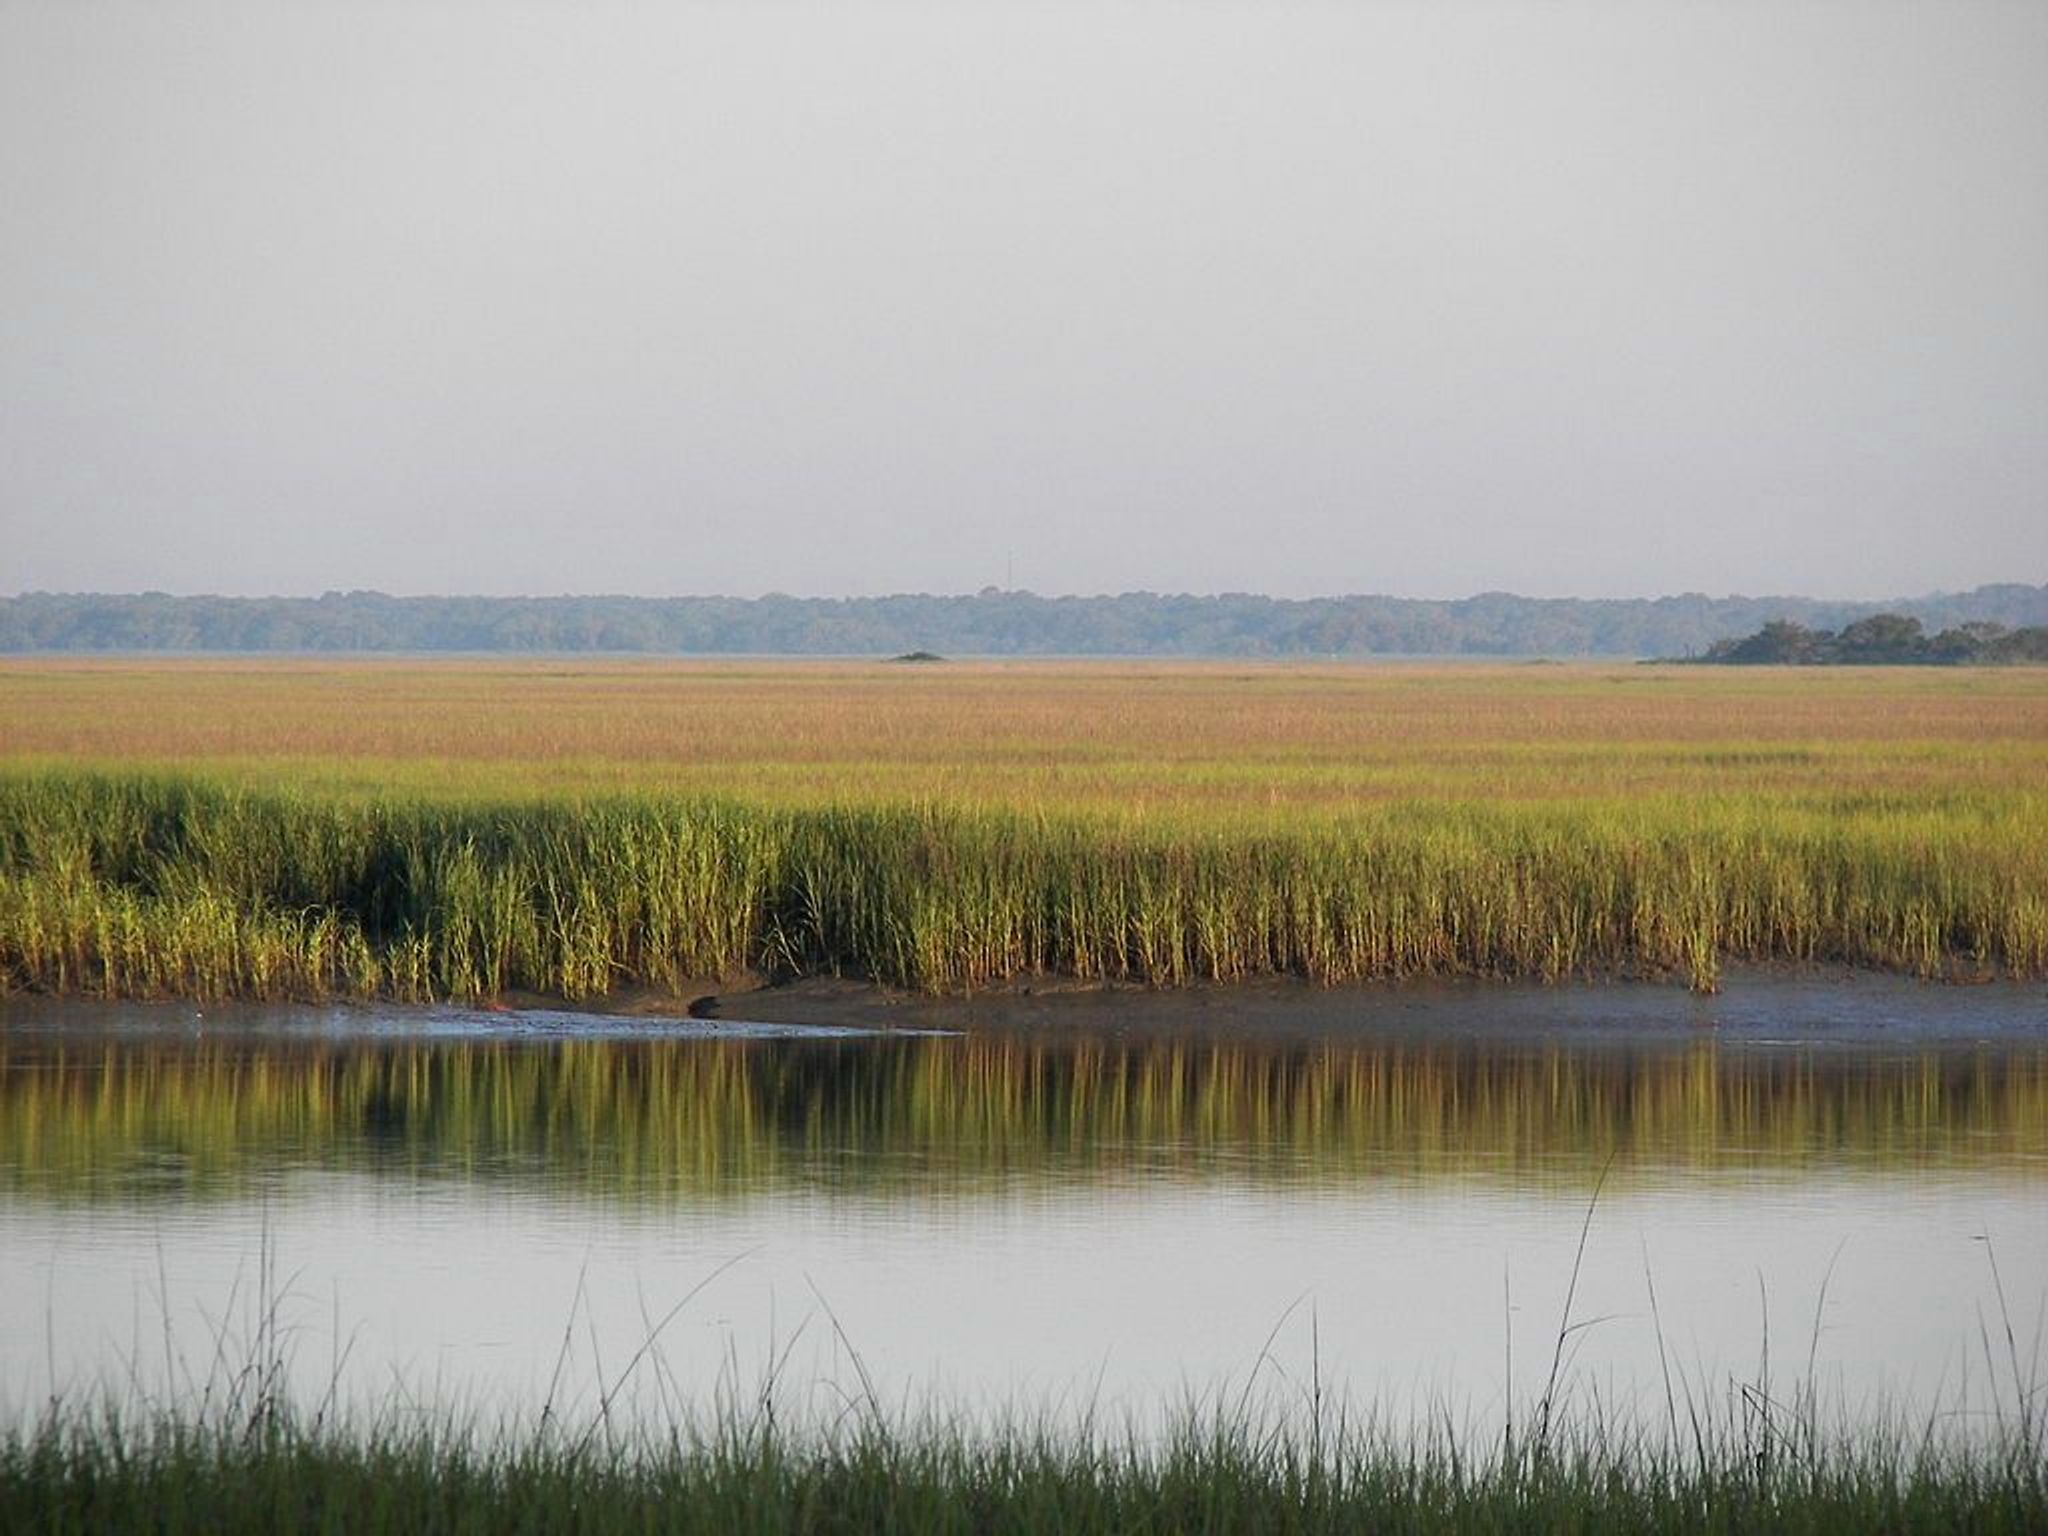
x: 170, y: 883
x: 1229, y: 1475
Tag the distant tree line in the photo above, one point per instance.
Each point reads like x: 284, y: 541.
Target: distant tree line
x: 987, y: 623
x: 1883, y: 639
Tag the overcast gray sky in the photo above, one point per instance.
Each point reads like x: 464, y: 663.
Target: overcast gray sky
x: 1423, y: 298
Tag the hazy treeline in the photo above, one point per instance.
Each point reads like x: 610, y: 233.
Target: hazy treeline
x: 990, y: 622
x: 1885, y: 639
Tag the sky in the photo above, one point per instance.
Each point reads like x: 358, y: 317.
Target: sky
x: 1432, y: 298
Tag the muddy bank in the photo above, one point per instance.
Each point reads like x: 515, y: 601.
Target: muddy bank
x: 1759, y: 1006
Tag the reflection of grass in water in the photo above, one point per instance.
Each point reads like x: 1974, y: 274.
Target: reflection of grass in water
x: 653, y: 1120
x: 137, y: 884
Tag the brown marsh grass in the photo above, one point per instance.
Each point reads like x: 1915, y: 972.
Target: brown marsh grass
x: 1039, y: 734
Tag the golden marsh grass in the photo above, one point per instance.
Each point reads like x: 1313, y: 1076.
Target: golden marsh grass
x: 1035, y: 734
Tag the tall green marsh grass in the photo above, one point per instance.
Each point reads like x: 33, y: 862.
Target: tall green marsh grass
x: 173, y: 884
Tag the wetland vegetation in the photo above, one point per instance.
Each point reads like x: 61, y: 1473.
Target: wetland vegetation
x: 1215, y: 1474
x: 1017, y: 1208
x: 417, y: 832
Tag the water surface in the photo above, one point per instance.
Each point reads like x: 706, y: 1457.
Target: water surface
x: 1111, y: 1209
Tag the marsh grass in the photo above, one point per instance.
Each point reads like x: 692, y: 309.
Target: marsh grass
x: 460, y: 830
x: 241, y: 1457
x: 168, y: 1477
x: 174, y: 884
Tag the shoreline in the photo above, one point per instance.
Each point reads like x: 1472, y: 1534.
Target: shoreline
x: 1753, y: 1003
x: 1756, y: 1005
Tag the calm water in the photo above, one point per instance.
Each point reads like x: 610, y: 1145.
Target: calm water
x: 1117, y: 1208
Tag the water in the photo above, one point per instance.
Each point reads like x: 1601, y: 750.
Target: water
x: 1126, y: 1205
